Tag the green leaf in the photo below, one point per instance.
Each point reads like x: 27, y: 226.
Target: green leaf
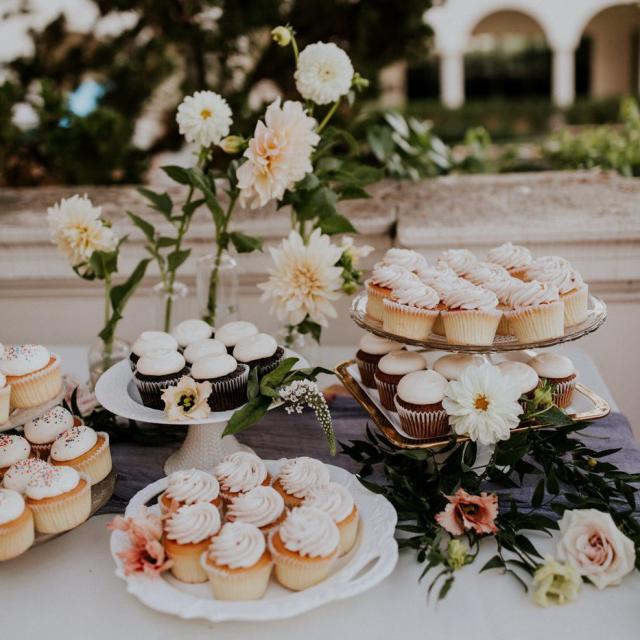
x: 275, y: 378
x: 190, y: 208
x: 352, y: 192
x: 496, y: 562
x: 247, y: 415
x: 538, y: 494
x: 311, y: 327
x: 164, y: 242
x: 336, y: 223
x: 253, y: 386
x: 159, y: 201
x: 146, y: 227
x: 206, y: 186
x: 177, y: 174
x: 244, y: 243
x: 177, y: 258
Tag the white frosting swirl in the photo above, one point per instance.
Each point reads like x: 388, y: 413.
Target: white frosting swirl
x: 460, y: 260
x: 388, y: 275
x: 240, y: 472
x: 406, y: 258
x: 238, y: 545
x: 160, y: 363
x: 202, y: 348
x: 232, y: 332
x: 414, y: 293
x: 19, y: 474
x: 262, y: 345
x: 260, y: 507
x: 73, y: 443
x: 299, y: 475
x: 11, y: 505
x: 153, y: 341
x: 453, y: 364
x: 334, y: 499
x: 12, y: 450
x: 428, y: 273
x: 189, y: 331
x: 399, y: 363
x: 211, y: 367
x: 529, y: 294
x: 552, y: 365
x: 377, y: 346
x: 554, y: 270
x: 21, y: 359
x: 310, y: 532
x: 483, y: 272
x: 520, y: 374
x: 191, y: 486
x: 193, y: 523
x: 51, y: 482
x: 422, y: 387
x: 510, y: 256
x: 448, y: 284
x: 502, y: 287
x: 470, y: 297
x: 49, y: 426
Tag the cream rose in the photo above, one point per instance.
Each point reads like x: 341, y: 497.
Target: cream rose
x: 595, y: 547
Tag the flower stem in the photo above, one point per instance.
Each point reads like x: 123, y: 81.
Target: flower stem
x: 294, y: 46
x: 326, y: 119
x: 108, y: 344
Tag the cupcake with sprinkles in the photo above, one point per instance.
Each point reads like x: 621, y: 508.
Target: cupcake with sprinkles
x: 16, y: 525
x: 5, y: 397
x: 12, y: 449
x: 42, y: 432
x: 19, y: 475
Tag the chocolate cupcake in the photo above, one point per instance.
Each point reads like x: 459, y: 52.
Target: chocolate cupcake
x: 228, y: 380
x: 189, y: 331
x: 391, y: 370
x: 149, y: 341
x: 260, y: 351
x: 232, y: 332
x: 560, y: 372
x: 155, y: 372
x: 371, y: 350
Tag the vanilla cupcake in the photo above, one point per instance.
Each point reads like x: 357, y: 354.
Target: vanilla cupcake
x: 42, y: 432
x: 523, y: 376
x: 337, y: 502
x: 406, y: 258
x: 441, y: 278
x: 12, y: 450
x: 304, y: 548
x: 18, y: 475
x: 33, y: 373
x: 238, y: 563
x: 297, y: 477
x: 460, y: 260
x: 190, y: 486
x: 16, y: 525
x: 148, y: 342
x: 452, y: 365
x: 240, y: 472
x: 371, y: 350
x: 480, y: 273
x: 383, y: 278
x: 187, y: 535
x: 260, y: 351
x: 203, y: 348
x: 189, y: 331
x: 503, y: 287
x: 419, y: 404
x: 514, y: 258
x: 411, y: 310
x: 85, y: 450
x: 60, y: 499
x: 537, y: 313
x: 156, y: 371
x: 228, y: 380
x: 263, y: 507
x: 390, y: 371
x: 232, y: 332
x: 560, y: 372
x: 5, y: 398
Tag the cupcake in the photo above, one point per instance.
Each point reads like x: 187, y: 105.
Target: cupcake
x: 260, y: 351
x: 452, y: 365
x: 337, y: 502
x: 189, y: 331
x: 297, y: 477
x: 238, y: 563
x: 522, y: 376
x: 304, y: 548
x: 18, y: 475
x: 187, y: 535
x: 390, y: 370
x: 441, y: 278
x: 16, y: 525
x: 190, y: 486
x: 411, y: 310
x: 41, y: 432
x: 406, y: 258
x: 148, y: 342
x: 262, y: 507
x: 232, y: 332
x: 419, y: 404
x: 560, y: 372
x: 480, y: 273
x: 379, y: 285
x: 514, y: 258
x: 12, y: 450
x: 156, y: 371
x: 202, y: 348
x: 33, y: 373
x: 460, y: 260
x: 5, y: 399
x: 85, y: 450
x: 503, y: 287
x: 372, y: 348
x: 240, y: 472
x: 537, y: 313
x: 60, y: 499
x: 228, y: 380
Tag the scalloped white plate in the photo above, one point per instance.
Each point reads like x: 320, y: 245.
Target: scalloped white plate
x: 373, y: 558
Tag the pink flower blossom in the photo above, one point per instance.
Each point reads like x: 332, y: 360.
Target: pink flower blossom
x: 468, y: 512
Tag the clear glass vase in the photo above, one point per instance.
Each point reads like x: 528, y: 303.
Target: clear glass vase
x: 217, y: 290
x: 302, y: 343
x: 102, y: 357
x: 169, y: 306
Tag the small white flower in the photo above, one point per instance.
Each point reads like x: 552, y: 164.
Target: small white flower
x: 356, y: 253
x: 324, y: 73
x: 482, y: 404
x: 24, y: 116
x: 204, y: 118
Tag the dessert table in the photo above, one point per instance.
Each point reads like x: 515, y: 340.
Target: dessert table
x: 77, y: 594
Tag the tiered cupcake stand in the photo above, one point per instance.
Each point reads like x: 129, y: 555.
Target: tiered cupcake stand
x: 589, y: 405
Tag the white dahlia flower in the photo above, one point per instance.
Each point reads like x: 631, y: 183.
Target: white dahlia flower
x: 204, y: 118
x: 324, y: 73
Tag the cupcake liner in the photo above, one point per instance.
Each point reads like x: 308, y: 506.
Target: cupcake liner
x: 406, y: 321
x: 422, y: 424
x: 230, y: 393
x: 375, y: 298
x: 542, y: 322
x: 438, y: 326
x: 38, y: 387
x: 96, y: 466
x: 64, y: 512
x: 386, y: 391
x: 16, y: 536
x: 5, y: 397
x: 41, y: 450
x: 367, y: 371
x: 246, y: 584
x: 348, y: 529
x: 576, y: 305
x: 562, y: 392
x: 186, y: 565
x: 263, y: 369
x: 504, y: 328
x: 151, y: 390
x: 471, y: 326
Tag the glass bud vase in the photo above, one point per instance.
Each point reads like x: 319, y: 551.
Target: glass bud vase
x: 102, y: 357
x: 169, y: 306
x: 302, y: 343
x: 218, y: 299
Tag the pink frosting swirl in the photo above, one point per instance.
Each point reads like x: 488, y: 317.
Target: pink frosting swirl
x: 415, y: 294
x: 388, y: 275
x: 470, y: 297
x: 533, y: 293
x: 460, y: 260
x: 555, y: 270
x: 510, y: 256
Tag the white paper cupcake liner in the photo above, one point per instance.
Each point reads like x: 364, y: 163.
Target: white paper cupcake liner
x: 504, y: 328
x: 408, y: 322
x: 37, y: 388
x: 374, y: 302
x: 5, y: 397
x: 422, y: 424
x: 386, y: 391
x: 471, y: 326
x: 249, y: 584
x: 542, y: 322
x: 576, y: 305
x: 348, y: 529
x: 17, y: 536
x: 186, y: 565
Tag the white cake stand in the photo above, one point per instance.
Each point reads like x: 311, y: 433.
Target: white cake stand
x: 204, y: 446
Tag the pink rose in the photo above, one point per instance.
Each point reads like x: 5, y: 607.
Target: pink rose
x: 595, y: 547
x: 467, y: 512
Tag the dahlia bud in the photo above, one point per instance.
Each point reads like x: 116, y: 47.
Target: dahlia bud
x: 281, y: 36
x: 232, y: 144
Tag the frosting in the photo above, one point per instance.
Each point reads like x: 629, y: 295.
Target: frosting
x: 73, y: 443
x: 11, y: 505
x: 377, y: 346
x: 447, y: 284
x: 189, y: 331
x: 213, y: 367
x: 528, y: 294
x: 452, y: 365
x: 310, y: 532
x: 482, y: 272
x: 48, y: 427
x: 388, y: 275
x: 12, y: 450
x: 262, y: 345
x: 502, y: 287
x: 470, y: 297
x: 193, y: 523
x: 398, y: 363
x: 152, y: 341
x: 299, y: 475
x: 415, y: 294
x: 160, y: 363
x: 460, y: 260
x: 202, y: 348
x: 422, y: 387
x: 238, y: 545
x: 191, y: 486
x: 53, y: 481
x: 552, y: 365
x: 334, y: 499
x: 555, y: 270
x: 19, y: 474
x: 428, y: 273
x: 21, y: 359
x: 521, y: 375
x: 232, y: 332
x: 510, y: 256
x: 260, y: 506
x: 240, y: 472
x: 406, y: 258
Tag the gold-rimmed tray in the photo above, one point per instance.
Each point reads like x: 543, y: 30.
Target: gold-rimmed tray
x: 347, y: 373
